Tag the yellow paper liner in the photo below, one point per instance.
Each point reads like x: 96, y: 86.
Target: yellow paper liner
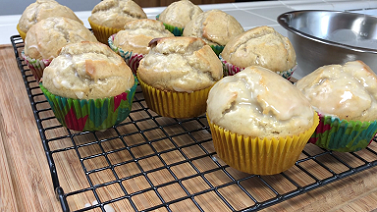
x: 22, y: 33
x: 175, y: 104
x: 260, y: 156
x: 102, y: 33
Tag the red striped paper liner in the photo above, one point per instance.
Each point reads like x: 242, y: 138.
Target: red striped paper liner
x: 134, y: 61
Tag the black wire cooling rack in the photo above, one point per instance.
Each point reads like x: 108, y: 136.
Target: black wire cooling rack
x: 151, y: 163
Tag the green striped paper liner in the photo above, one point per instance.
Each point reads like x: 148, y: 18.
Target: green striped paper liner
x: 339, y: 135
x: 217, y: 49
x: 177, y: 31
x: 91, y: 114
x: 131, y: 58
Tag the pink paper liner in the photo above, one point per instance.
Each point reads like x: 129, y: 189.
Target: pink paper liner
x: 230, y: 69
x: 36, y: 66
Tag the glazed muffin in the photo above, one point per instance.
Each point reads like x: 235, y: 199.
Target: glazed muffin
x: 260, y: 46
x: 45, y: 38
x: 109, y: 17
x: 178, y: 14
x: 40, y: 10
x: 89, y: 87
x: 345, y: 98
x: 259, y: 121
x: 132, y: 42
x: 215, y: 27
x: 177, y: 74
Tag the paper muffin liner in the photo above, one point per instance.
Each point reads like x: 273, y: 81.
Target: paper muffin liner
x: 22, y: 33
x: 175, y: 104
x: 91, y: 114
x: 339, y: 135
x: 177, y: 31
x: 36, y: 66
x: 102, y: 33
x: 230, y: 69
x: 217, y: 49
x: 131, y: 58
x: 259, y: 156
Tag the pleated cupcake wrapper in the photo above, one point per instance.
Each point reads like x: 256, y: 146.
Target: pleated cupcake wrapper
x: 230, y: 69
x: 259, y: 156
x: 177, y: 31
x: 22, y: 33
x: 36, y: 66
x: 91, y: 114
x: 102, y: 33
x: 339, y: 135
x: 175, y: 104
x: 132, y: 59
x: 217, y: 49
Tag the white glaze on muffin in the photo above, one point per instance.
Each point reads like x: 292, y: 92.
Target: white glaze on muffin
x: 261, y: 46
x: 137, y: 34
x: 87, y: 70
x: 346, y: 91
x: 182, y: 64
x: 45, y: 38
x: 215, y: 27
x: 259, y: 103
x: 42, y: 9
x: 179, y: 13
x: 116, y: 13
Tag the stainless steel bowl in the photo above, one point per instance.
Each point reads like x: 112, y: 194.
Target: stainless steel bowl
x: 331, y: 37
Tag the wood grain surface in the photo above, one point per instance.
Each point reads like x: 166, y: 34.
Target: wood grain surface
x: 26, y: 182
x: 27, y: 178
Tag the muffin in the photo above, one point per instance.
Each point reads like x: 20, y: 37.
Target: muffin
x: 260, y: 46
x: 259, y: 121
x: 132, y: 42
x: 177, y: 74
x: 89, y: 87
x: 109, y: 17
x: 215, y: 27
x: 178, y: 14
x: 40, y: 10
x: 345, y: 99
x: 46, y: 37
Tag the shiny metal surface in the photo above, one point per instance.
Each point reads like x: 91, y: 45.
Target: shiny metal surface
x: 331, y: 37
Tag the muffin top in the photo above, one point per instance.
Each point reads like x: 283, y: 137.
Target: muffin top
x: 182, y: 64
x: 179, y: 13
x: 136, y: 35
x: 215, y: 27
x: 45, y: 38
x: 42, y: 9
x: 87, y: 70
x: 116, y: 13
x: 259, y: 103
x: 348, y: 92
x: 261, y: 46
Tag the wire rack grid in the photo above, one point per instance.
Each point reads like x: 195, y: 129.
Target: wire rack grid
x: 152, y: 163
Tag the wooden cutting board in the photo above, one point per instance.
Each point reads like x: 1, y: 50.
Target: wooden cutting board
x: 26, y: 181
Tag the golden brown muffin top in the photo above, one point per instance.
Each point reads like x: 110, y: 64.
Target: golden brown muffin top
x: 116, y: 13
x: 215, y: 27
x: 261, y: 46
x: 45, y: 38
x: 42, y: 9
x: 181, y: 64
x: 259, y: 103
x: 137, y: 34
x: 87, y: 70
x: 347, y: 91
x: 179, y: 13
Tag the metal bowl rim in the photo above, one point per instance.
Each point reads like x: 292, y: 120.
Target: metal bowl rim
x: 320, y: 40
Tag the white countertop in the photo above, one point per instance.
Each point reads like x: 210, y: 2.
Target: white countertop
x: 249, y: 14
